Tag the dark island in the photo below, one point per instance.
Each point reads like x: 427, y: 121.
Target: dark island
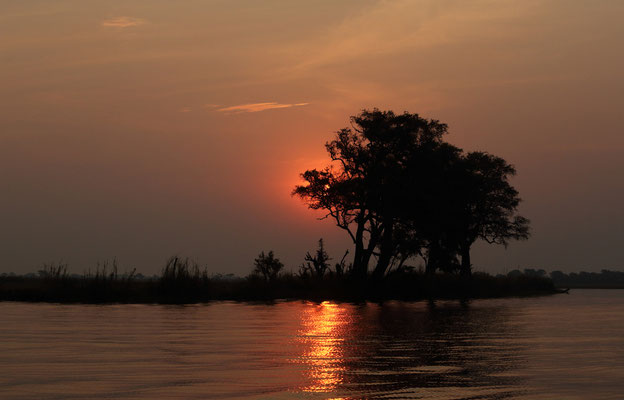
x: 183, y: 282
x: 396, y: 188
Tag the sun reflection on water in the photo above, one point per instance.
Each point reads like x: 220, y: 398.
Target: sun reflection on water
x: 323, y: 333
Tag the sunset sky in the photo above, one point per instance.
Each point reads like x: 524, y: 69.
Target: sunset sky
x: 143, y: 129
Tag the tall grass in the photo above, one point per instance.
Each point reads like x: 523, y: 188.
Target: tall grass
x: 54, y: 272
x: 183, y: 280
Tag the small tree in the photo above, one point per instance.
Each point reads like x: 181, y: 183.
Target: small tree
x: 317, y: 264
x: 267, y: 265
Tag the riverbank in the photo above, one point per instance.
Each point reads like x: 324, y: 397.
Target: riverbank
x: 201, y: 288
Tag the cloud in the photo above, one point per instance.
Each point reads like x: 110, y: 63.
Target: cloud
x: 406, y: 27
x: 256, y: 107
x: 122, y: 22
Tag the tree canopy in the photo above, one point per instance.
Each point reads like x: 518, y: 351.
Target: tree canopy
x: 267, y: 265
x: 400, y: 191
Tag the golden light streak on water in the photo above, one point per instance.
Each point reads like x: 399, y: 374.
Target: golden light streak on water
x: 325, y: 326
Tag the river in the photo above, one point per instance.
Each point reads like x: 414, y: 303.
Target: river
x: 554, y: 347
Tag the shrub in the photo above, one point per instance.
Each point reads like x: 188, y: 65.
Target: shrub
x: 316, y: 265
x: 267, y: 265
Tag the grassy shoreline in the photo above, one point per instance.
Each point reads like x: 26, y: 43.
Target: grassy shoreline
x: 198, y: 288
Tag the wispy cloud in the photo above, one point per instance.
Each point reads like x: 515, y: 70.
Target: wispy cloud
x: 122, y: 22
x: 405, y: 27
x: 256, y: 107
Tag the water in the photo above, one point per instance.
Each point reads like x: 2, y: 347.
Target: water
x: 557, y: 347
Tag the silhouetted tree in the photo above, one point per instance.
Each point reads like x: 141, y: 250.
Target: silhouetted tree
x: 267, y: 265
x: 400, y: 191
x: 364, y: 191
x: 426, y: 227
x: 316, y: 264
x: 485, y: 205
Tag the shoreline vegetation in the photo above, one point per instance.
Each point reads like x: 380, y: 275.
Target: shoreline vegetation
x: 400, y: 192
x: 184, y: 282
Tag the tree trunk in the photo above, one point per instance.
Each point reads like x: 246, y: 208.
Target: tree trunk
x: 466, y: 266
x: 359, y: 269
x: 432, y: 258
x: 385, y: 251
x: 366, y: 259
x: 360, y: 258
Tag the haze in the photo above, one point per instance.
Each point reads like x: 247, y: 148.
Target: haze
x: 143, y: 129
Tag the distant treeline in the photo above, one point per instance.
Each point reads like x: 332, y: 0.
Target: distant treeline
x: 603, y: 279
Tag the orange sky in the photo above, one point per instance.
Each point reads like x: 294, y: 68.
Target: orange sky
x: 143, y: 129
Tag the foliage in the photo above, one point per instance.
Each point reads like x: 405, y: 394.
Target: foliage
x: 363, y: 192
x: 603, y: 279
x: 267, y: 265
x: 400, y: 191
x: 318, y: 264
